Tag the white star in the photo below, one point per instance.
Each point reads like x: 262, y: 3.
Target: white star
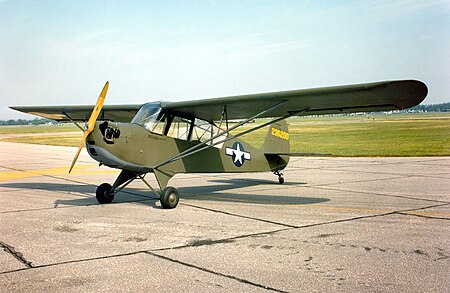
x: 238, y: 154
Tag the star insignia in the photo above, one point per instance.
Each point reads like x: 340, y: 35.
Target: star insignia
x: 238, y: 154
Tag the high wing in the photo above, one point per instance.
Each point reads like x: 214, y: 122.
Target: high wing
x: 367, y: 97
x: 119, y: 113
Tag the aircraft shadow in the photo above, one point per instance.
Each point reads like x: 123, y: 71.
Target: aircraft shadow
x: 66, y: 187
x: 225, y: 190
x: 85, y: 194
x: 269, y: 192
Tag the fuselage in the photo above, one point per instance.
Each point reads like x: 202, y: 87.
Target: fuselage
x: 132, y: 147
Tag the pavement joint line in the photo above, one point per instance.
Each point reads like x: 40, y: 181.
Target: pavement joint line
x: 369, y: 216
x: 411, y: 212
x: 74, y: 261
x: 291, y: 227
x: 424, y: 216
x: 314, y: 206
x: 338, y: 169
x: 240, y: 216
x: 218, y: 241
x: 203, y: 269
x: 359, y: 181
x: 131, y: 253
x: 385, y: 173
x: 379, y: 194
x: 16, y: 254
x: 434, y: 162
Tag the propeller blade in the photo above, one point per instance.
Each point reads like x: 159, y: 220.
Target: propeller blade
x: 78, y: 151
x: 91, y: 122
x: 97, y: 108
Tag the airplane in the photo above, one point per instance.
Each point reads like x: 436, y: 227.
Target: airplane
x: 167, y: 138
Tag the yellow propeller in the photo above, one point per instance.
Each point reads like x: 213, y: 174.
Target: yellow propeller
x: 91, y: 122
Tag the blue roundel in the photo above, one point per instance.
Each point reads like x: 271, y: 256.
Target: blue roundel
x: 238, y: 154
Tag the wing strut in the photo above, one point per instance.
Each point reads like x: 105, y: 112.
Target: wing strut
x: 188, y: 151
x: 224, y: 116
x: 227, y: 139
x: 71, y: 120
x: 203, y: 146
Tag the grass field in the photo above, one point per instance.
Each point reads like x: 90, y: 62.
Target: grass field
x: 38, y: 129
x: 375, y: 135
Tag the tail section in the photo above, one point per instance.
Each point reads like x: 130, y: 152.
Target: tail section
x: 276, y: 146
x: 277, y: 139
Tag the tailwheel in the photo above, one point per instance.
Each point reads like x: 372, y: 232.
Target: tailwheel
x: 104, y: 193
x: 169, y: 198
x: 280, y: 177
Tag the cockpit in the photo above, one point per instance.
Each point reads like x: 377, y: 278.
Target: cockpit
x: 149, y: 116
x: 157, y: 120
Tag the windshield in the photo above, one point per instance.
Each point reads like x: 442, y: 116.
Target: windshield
x: 149, y: 116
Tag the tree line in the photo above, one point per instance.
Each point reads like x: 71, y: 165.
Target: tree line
x: 35, y: 121
x: 444, y: 107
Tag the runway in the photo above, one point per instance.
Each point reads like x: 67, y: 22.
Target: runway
x: 336, y: 225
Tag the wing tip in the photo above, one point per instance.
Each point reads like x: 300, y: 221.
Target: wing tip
x: 410, y: 92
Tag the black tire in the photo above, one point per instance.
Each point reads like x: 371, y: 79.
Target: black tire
x: 281, y: 180
x: 169, y: 198
x: 103, y: 193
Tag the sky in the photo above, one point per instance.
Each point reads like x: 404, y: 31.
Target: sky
x: 62, y: 52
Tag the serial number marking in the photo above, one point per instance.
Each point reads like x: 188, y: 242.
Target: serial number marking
x: 280, y: 133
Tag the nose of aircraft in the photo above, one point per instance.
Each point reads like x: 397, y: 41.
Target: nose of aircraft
x: 100, y: 142
x: 110, y: 134
x: 107, y: 144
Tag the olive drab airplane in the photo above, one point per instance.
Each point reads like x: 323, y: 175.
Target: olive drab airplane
x: 166, y: 138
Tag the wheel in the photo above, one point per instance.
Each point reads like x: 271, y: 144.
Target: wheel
x: 169, y: 198
x: 103, y: 193
x: 281, y: 180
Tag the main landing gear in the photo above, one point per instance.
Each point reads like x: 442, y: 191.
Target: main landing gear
x: 280, y: 176
x: 169, y: 198
x: 105, y: 192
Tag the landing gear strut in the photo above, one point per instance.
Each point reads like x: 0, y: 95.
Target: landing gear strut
x: 105, y: 192
x: 280, y: 177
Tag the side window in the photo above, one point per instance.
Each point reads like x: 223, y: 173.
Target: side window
x: 202, y: 130
x: 179, y: 128
x: 158, y: 126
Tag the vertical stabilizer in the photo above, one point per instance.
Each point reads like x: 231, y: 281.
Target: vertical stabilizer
x: 276, y: 146
x: 277, y: 139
